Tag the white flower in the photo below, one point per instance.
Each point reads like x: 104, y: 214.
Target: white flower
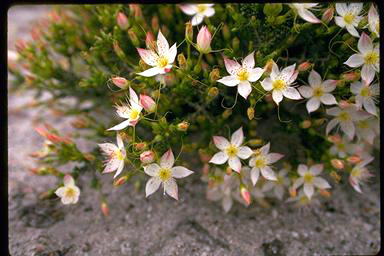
x: 349, y: 16
x: 160, y: 61
x: 231, y: 152
x: 373, y: 21
x: 279, y: 82
x: 308, y: 177
x: 365, y: 96
x: 359, y: 173
x: 345, y: 117
x: 341, y: 147
x: 199, y: 11
x: 261, y: 162
x: 303, y: 11
x: 302, y: 200
x: 129, y: 111
x: 367, y: 129
x: 241, y: 75
x: 279, y: 186
x: 165, y: 174
x: 368, y: 56
x: 69, y: 193
x: 115, y: 156
x: 224, y: 192
x: 318, y: 91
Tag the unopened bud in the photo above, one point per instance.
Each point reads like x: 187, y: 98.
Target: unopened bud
x: 119, y: 52
x: 214, y: 75
x: 213, y: 92
x: 120, y: 181
x: 306, y: 124
x: 268, y: 66
x: 148, y: 103
x: 319, y: 121
x: 328, y: 15
x: 227, y: 113
x: 140, y: 146
x: 304, y: 66
x: 155, y: 23
x: 351, y: 76
x: 122, y: 20
x: 204, y: 38
x: 335, y: 176
x: 325, y: 193
x: 340, y: 83
x: 292, y: 192
x: 132, y: 35
x: 89, y: 156
x: 334, y: 138
x: 183, y: 126
x: 229, y: 171
x: 255, y: 142
x: 182, y: 61
x: 104, y: 209
x: 120, y: 82
x: 245, y: 194
x: 188, y: 31
x: 337, y: 163
x: 150, y: 41
x: 236, y: 43
x: 268, y: 97
x: 251, y: 113
x: 353, y: 159
x: 343, y: 104
x: 147, y: 157
x: 136, y: 10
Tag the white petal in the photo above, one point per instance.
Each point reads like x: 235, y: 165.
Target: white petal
x: 237, y: 137
x: 229, y: 81
x: 316, y: 169
x: 356, y: 60
x: 68, y: 180
x: 197, y: 19
x: 369, y: 105
x: 133, y: 96
x: 355, y: 184
x: 172, y: 53
x: 356, y: 7
x: 111, y: 166
x: 298, y: 182
x: 268, y: 173
x: 314, y: 78
x: 352, y: 30
x: 189, y: 9
x: 120, y: 126
x: 328, y: 99
x: 150, y: 72
x: 348, y: 128
x: 220, y: 142
x: 308, y: 16
x: 151, y: 169
x: 180, y: 172
x: 312, y: 104
x: 275, y: 70
x: 355, y: 87
x: 341, y: 8
x: 329, y: 85
x: 255, y: 175
x: 274, y: 157
x: 249, y: 61
x: 162, y: 45
x: 333, y: 111
x: 148, y: 56
x: 287, y: 72
x: 293, y: 77
x: 365, y: 43
x: 291, y: 93
x: 244, y: 152
x: 120, y: 143
x: 219, y: 158
x: 331, y: 125
x: 209, y: 12
x: 152, y: 185
x: 267, y: 84
x: 255, y: 74
x: 235, y: 164
x: 227, y: 203
x: 302, y: 168
x: 306, y: 91
x: 321, y: 183
x: 66, y: 200
x: 231, y: 66
x: 108, y: 148
x: 119, y: 169
x: 167, y: 160
x: 244, y: 89
x: 277, y: 96
x: 60, y: 191
x: 367, y: 73
x: 340, y: 21
x: 170, y: 188
x: 308, y: 190
x: 265, y: 149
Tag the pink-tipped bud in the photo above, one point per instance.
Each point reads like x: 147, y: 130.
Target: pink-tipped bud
x: 304, y: 66
x: 183, y: 126
x: 120, y: 181
x: 104, y: 209
x: 328, y: 15
x: 150, y: 41
x: 148, y: 103
x: 147, y: 157
x: 120, y: 82
x: 337, y: 163
x: 353, y: 159
x: 140, y: 146
x: 325, y: 193
x: 344, y: 104
x: 122, y: 20
x: 245, y: 194
x: 351, y: 76
x: 155, y: 23
x: 204, y: 39
x: 188, y: 30
x: 292, y: 192
x: 334, y: 138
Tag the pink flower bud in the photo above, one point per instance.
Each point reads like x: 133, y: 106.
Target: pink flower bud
x: 183, y: 126
x: 245, y: 194
x: 148, y: 103
x: 147, y: 157
x: 104, y: 209
x: 328, y: 15
x: 120, y: 82
x: 337, y: 163
x: 304, y: 66
x: 120, y: 181
x: 150, y: 41
x: 204, y: 39
x: 344, y: 104
x: 353, y: 159
x: 140, y: 146
x: 122, y: 20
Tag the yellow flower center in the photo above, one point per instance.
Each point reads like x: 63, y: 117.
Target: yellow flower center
x: 279, y: 84
x: 134, y: 114
x: 349, y: 17
x: 341, y: 146
x: 371, y: 58
x: 165, y: 174
x: 304, y: 200
x: 318, y: 92
x: 260, y: 162
x: 231, y: 150
x: 356, y: 172
x: 70, y: 192
x: 162, y: 62
x: 308, y: 177
x: 201, y: 7
x: 344, y: 116
x: 365, y: 91
x: 242, y: 74
x: 119, y: 155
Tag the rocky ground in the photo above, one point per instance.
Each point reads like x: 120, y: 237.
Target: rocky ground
x: 346, y: 224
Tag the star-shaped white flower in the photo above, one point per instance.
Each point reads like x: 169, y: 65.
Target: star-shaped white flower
x: 69, y: 193
x: 224, y: 192
x: 349, y: 16
x: 303, y: 11
x: 367, y: 129
x: 318, y: 91
x: 365, y: 96
x: 129, y: 111
x: 241, y: 75
x: 308, y: 177
x: 341, y: 147
x: 231, y: 152
x: 160, y: 61
x: 279, y: 185
x: 373, y: 21
x: 261, y: 162
x: 199, y: 11
x: 115, y: 156
x: 279, y: 82
x: 165, y: 174
x: 359, y: 173
x: 368, y: 57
